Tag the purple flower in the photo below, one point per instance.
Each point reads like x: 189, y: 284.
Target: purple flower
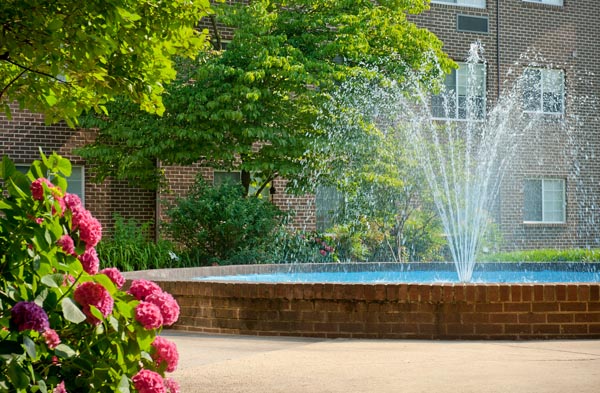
x: 29, y: 316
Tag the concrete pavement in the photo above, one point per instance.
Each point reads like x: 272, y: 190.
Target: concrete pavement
x: 229, y: 364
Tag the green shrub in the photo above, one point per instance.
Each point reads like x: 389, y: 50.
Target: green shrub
x: 65, y: 325
x: 545, y: 255
x: 220, y: 225
x: 294, y: 246
x: 130, y: 248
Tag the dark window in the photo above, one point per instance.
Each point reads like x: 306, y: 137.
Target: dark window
x: 475, y: 24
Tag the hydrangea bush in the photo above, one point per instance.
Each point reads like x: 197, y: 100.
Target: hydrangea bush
x: 66, y: 325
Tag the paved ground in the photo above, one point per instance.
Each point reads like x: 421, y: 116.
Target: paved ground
x: 229, y: 364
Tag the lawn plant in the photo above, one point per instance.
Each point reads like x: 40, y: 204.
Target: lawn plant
x: 66, y: 324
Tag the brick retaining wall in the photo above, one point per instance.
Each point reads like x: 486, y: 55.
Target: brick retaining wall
x: 399, y: 310
x: 445, y: 311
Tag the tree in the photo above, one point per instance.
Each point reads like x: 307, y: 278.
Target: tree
x: 59, y: 57
x: 387, y: 211
x: 253, y: 106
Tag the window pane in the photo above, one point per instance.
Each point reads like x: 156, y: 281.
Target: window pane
x: 466, y: 81
x: 76, y: 182
x: 554, y: 200
x: 552, y: 88
x: 226, y: 177
x: 328, y: 200
x: 532, y: 96
x: 532, y: 209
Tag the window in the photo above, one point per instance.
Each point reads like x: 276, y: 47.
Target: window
x: 472, y: 24
x: 543, y: 90
x: 551, y: 2
x: 235, y: 177
x: 464, y: 94
x: 544, y: 200
x: 76, y: 181
x: 466, y: 3
x: 328, y: 202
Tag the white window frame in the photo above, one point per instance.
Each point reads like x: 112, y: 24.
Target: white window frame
x: 462, y: 72
x: 544, y: 72
x: 462, y: 3
x: 544, y: 184
x: 559, y: 3
x: 25, y: 167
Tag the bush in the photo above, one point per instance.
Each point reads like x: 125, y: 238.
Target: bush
x: 220, y: 225
x: 545, y: 255
x: 65, y: 326
x: 293, y: 246
x: 129, y: 248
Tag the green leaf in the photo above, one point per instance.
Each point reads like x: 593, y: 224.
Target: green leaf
x: 53, y: 280
x: 17, y: 375
x: 42, y: 386
x: 123, y: 384
x: 64, y: 351
x: 30, y: 347
x: 71, y: 311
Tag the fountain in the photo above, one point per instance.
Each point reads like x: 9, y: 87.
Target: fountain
x: 464, y: 163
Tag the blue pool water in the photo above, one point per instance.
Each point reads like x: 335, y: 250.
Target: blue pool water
x: 414, y: 276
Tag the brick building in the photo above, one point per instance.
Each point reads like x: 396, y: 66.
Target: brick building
x: 548, y: 199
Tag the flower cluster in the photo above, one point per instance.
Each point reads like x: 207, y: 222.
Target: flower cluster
x: 165, y: 352
x: 29, y: 316
x: 156, y: 308
x: 58, y: 312
x: 93, y: 294
x: 115, y: 276
x: 147, y: 381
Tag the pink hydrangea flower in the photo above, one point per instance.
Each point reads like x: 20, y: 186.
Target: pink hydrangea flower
x: 51, y: 337
x: 167, y: 304
x: 146, y: 381
x: 72, y: 202
x: 67, y: 244
x: 90, y: 229
x: 172, y: 385
x: 140, y: 289
x: 37, y: 188
x: 148, y: 315
x: 93, y: 294
x: 60, y: 388
x: 115, y: 276
x: 29, y: 316
x: 165, y: 351
x: 89, y: 260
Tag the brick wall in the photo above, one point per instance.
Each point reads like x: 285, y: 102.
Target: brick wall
x: 402, y: 310
x: 21, y: 138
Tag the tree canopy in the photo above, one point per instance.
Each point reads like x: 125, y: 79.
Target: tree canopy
x: 59, y: 57
x: 253, y: 106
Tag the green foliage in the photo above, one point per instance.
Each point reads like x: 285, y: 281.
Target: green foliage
x: 130, y: 248
x: 59, y: 57
x: 294, y: 246
x: 220, y: 225
x: 253, y: 106
x: 34, y: 268
x: 545, y: 255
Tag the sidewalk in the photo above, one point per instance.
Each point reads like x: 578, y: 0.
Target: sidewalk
x: 229, y: 364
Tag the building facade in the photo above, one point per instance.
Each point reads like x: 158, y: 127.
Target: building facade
x: 550, y: 197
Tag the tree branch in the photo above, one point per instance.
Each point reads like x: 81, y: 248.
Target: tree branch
x: 11, y: 82
x: 34, y: 71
